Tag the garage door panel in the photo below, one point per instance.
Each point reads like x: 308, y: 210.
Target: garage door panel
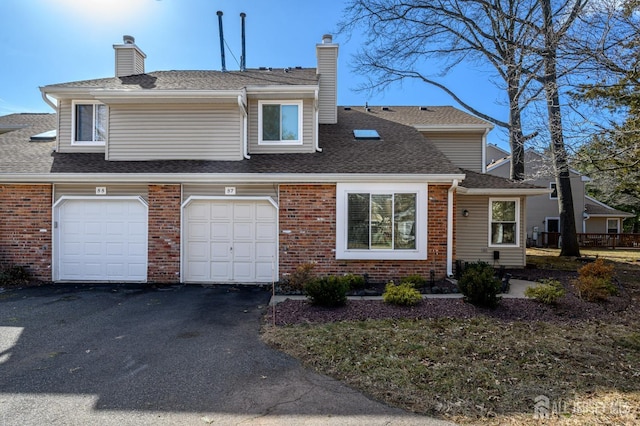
x: 241, y: 234
x: 198, y: 231
x: 111, y: 244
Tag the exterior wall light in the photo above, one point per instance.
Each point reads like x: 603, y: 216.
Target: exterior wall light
x: 465, y: 213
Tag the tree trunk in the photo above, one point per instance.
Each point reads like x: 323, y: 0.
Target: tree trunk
x: 568, y: 233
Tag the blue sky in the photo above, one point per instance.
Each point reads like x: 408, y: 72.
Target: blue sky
x: 53, y: 41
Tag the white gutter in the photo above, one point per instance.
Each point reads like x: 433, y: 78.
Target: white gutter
x: 509, y: 191
x: 48, y: 101
x: 317, y: 113
x: 450, y: 127
x: 223, y: 178
x: 245, y: 140
x: 450, y: 227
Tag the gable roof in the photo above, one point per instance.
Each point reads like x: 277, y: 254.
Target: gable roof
x: 196, y: 80
x: 483, y: 184
x: 17, y: 151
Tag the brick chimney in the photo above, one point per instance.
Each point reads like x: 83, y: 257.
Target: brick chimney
x: 327, y: 56
x: 129, y: 57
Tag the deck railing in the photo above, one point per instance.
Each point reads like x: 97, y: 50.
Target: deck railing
x: 596, y: 240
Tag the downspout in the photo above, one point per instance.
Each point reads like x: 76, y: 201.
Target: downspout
x: 317, y: 114
x: 451, y: 191
x: 245, y: 141
x: 55, y: 108
x: 484, y: 150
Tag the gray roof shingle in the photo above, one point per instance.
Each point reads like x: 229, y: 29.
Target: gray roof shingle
x: 425, y: 116
x: 17, y: 153
x: 197, y: 80
x: 594, y: 209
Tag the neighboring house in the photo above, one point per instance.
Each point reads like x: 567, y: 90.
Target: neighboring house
x: 242, y: 176
x: 591, y: 216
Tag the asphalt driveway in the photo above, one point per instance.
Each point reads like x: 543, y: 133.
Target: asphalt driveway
x: 120, y: 355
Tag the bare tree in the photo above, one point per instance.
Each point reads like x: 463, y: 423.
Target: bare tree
x: 402, y: 36
x: 519, y: 38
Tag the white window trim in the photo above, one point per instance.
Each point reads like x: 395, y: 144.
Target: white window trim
x: 300, y: 127
x: 73, y: 123
x: 518, y: 220
x: 551, y: 197
x: 342, y: 191
x: 617, y: 224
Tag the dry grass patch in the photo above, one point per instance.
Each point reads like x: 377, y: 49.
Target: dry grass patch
x: 472, y: 369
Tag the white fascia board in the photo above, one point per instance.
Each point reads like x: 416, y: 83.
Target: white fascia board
x: 498, y: 165
x: 503, y: 191
x: 283, y: 88
x: 456, y: 127
x: 224, y: 177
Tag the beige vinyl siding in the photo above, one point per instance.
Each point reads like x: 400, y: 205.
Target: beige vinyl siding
x: 463, y: 149
x: 327, y: 96
x: 89, y: 189
x: 541, y: 207
x: 308, y: 131
x: 244, y: 190
x: 129, y: 61
x: 174, y: 132
x: 65, y: 132
x: 597, y: 225
x: 472, y: 234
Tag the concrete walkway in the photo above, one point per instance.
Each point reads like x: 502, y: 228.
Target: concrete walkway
x: 516, y: 291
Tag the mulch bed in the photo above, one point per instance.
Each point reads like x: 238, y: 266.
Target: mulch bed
x: 569, y: 308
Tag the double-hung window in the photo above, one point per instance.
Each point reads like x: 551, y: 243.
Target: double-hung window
x: 280, y: 122
x: 89, y: 123
x: 504, y: 222
x: 381, y: 221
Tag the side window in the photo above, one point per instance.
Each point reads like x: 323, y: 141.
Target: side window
x: 554, y: 193
x: 280, y: 122
x: 504, y: 222
x: 89, y: 123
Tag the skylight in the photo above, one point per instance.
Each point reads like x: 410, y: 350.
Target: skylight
x: 366, y: 134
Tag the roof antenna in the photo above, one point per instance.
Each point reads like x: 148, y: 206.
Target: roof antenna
x: 243, y: 58
x: 219, y: 13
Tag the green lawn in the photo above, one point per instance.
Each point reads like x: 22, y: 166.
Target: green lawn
x: 484, y: 370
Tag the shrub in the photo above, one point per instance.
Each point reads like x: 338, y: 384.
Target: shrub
x: 548, y: 292
x: 594, y: 289
x: 301, y: 276
x: 594, y: 281
x: 415, y: 280
x: 13, y: 274
x: 402, y: 294
x: 327, y: 291
x: 479, y: 286
x: 355, y: 282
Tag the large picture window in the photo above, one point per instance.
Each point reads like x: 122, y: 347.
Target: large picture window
x: 90, y: 123
x: 381, y: 222
x: 280, y: 122
x: 504, y: 222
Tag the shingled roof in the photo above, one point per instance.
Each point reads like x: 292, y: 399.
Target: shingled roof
x: 198, y: 80
x: 18, y: 154
x: 602, y: 210
x: 425, y: 116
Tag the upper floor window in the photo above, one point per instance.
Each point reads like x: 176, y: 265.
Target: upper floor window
x: 554, y: 191
x: 504, y: 221
x: 280, y: 122
x: 89, y: 123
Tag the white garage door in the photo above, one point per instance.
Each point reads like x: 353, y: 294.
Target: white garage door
x: 230, y: 241
x: 101, y: 240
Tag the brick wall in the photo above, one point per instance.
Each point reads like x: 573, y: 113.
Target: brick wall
x: 164, y: 234
x: 308, y: 231
x: 25, y: 228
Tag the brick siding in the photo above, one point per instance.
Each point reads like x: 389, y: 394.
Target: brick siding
x: 25, y: 228
x: 164, y: 234
x: 308, y: 230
